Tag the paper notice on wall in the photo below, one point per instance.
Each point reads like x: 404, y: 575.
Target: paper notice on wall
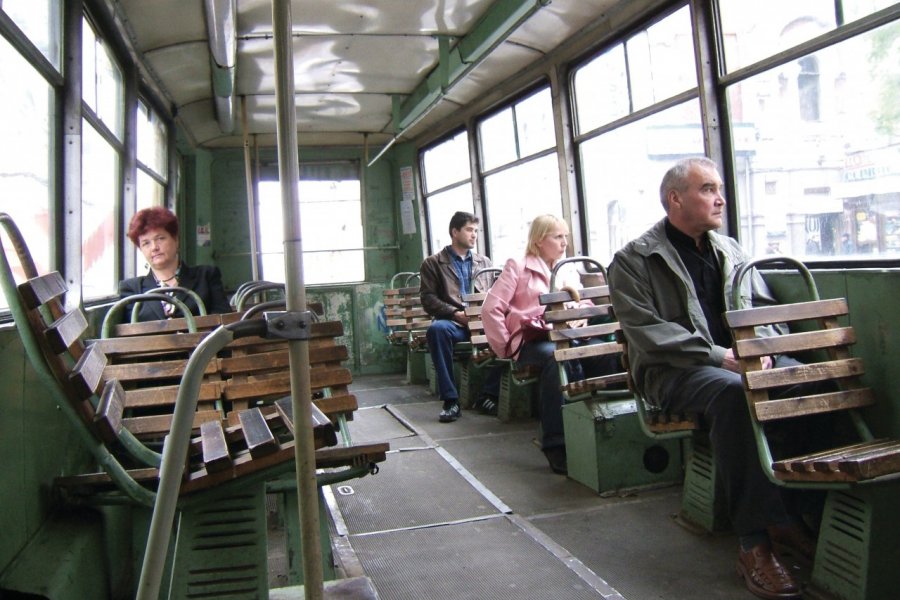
x: 406, y: 181
x: 407, y: 216
x: 204, y: 238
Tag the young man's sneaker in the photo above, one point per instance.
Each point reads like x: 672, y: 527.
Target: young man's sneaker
x: 489, y: 405
x: 450, y: 412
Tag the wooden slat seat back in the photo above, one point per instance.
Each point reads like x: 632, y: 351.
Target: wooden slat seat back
x: 261, y: 439
x: 259, y: 374
x: 579, y: 333
x: 824, y: 344
x: 259, y: 448
x: 394, y: 295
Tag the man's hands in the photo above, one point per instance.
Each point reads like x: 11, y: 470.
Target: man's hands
x: 731, y: 363
x: 461, y: 318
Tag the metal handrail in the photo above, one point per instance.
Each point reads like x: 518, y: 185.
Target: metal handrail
x: 771, y: 261
x: 573, y: 259
x: 109, y: 321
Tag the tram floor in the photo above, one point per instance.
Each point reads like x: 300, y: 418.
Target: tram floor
x: 471, y: 510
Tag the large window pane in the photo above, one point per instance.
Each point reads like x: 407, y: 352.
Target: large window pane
x: 152, y: 140
x: 446, y: 163
x: 102, y: 81
x: 756, y: 30
x: 622, y: 170
x: 497, y: 137
x: 857, y: 9
x: 653, y: 65
x: 601, y: 90
x: 830, y: 185
x: 99, y: 195
x: 661, y: 60
x: 519, y: 131
x: 534, y: 123
x: 514, y: 198
x: 26, y: 156
x: 331, y: 229
x: 441, y: 208
x: 41, y: 21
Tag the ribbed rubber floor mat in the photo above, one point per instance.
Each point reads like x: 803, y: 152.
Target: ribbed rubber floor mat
x: 491, y: 558
x: 412, y: 488
x: 376, y: 425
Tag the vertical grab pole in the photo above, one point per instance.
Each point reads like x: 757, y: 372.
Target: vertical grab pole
x: 289, y: 174
x: 251, y: 195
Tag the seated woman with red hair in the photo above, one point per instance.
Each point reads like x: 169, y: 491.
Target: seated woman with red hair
x: 155, y: 233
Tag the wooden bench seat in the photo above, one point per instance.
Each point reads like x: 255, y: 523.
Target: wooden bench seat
x: 856, y: 552
x: 827, y: 349
x: 226, y: 466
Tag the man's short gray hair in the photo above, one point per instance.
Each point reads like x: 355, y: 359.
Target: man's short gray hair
x: 675, y: 178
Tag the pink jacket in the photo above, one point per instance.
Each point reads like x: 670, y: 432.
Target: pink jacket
x: 514, y: 298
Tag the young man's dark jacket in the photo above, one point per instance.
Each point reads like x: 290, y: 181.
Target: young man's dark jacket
x: 440, y: 286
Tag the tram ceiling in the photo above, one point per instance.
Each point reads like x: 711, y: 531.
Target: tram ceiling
x: 383, y: 68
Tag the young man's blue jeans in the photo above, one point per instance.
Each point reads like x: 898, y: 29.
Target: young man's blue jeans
x: 442, y: 335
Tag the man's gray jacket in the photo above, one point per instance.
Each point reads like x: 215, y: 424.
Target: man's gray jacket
x: 657, y: 306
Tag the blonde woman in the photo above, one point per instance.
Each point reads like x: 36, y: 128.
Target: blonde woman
x: 512, y: 302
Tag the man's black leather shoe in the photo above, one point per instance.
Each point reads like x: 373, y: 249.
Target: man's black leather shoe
x: 448, y: 415
x: 556, y: 456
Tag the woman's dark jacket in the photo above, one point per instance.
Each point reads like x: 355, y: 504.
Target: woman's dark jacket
x: 205, y: 280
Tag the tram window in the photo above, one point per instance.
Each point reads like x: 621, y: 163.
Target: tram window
x: 100, y: 188
x: 515, y: 197
x: 759, y: 29
x: 661, y: 60
x: 828, y: 186
x: 446, y: 176
x: 858, y: 9
x: 441, y: 207
x: 652, y: 65
x: 621, y: 171
x: 520, y: 130
x: 603, y: 77
x: 41, y: 21
x: 446, y: 163
x: 103, y: 90
x: 27, y: 118
x: 331, y: 229
x: 152, y: 140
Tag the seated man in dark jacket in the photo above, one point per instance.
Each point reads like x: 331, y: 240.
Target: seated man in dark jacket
x: 445, y: 277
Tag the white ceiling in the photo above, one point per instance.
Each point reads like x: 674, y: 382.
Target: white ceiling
x: 350, y: 59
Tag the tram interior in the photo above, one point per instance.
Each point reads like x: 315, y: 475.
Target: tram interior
x: 457, y: 510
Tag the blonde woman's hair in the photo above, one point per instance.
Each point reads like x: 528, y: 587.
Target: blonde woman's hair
x: 540, y: 228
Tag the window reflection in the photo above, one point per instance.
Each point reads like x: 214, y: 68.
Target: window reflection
x: 818, y: 166
x: 331, y: 229
x: 41, y: 21
x: 446, y: 163
x: 622, y: 170
x: 26, y: 177
x: 99, y: 195
x: 515, y: 196
x: 441, y: 208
